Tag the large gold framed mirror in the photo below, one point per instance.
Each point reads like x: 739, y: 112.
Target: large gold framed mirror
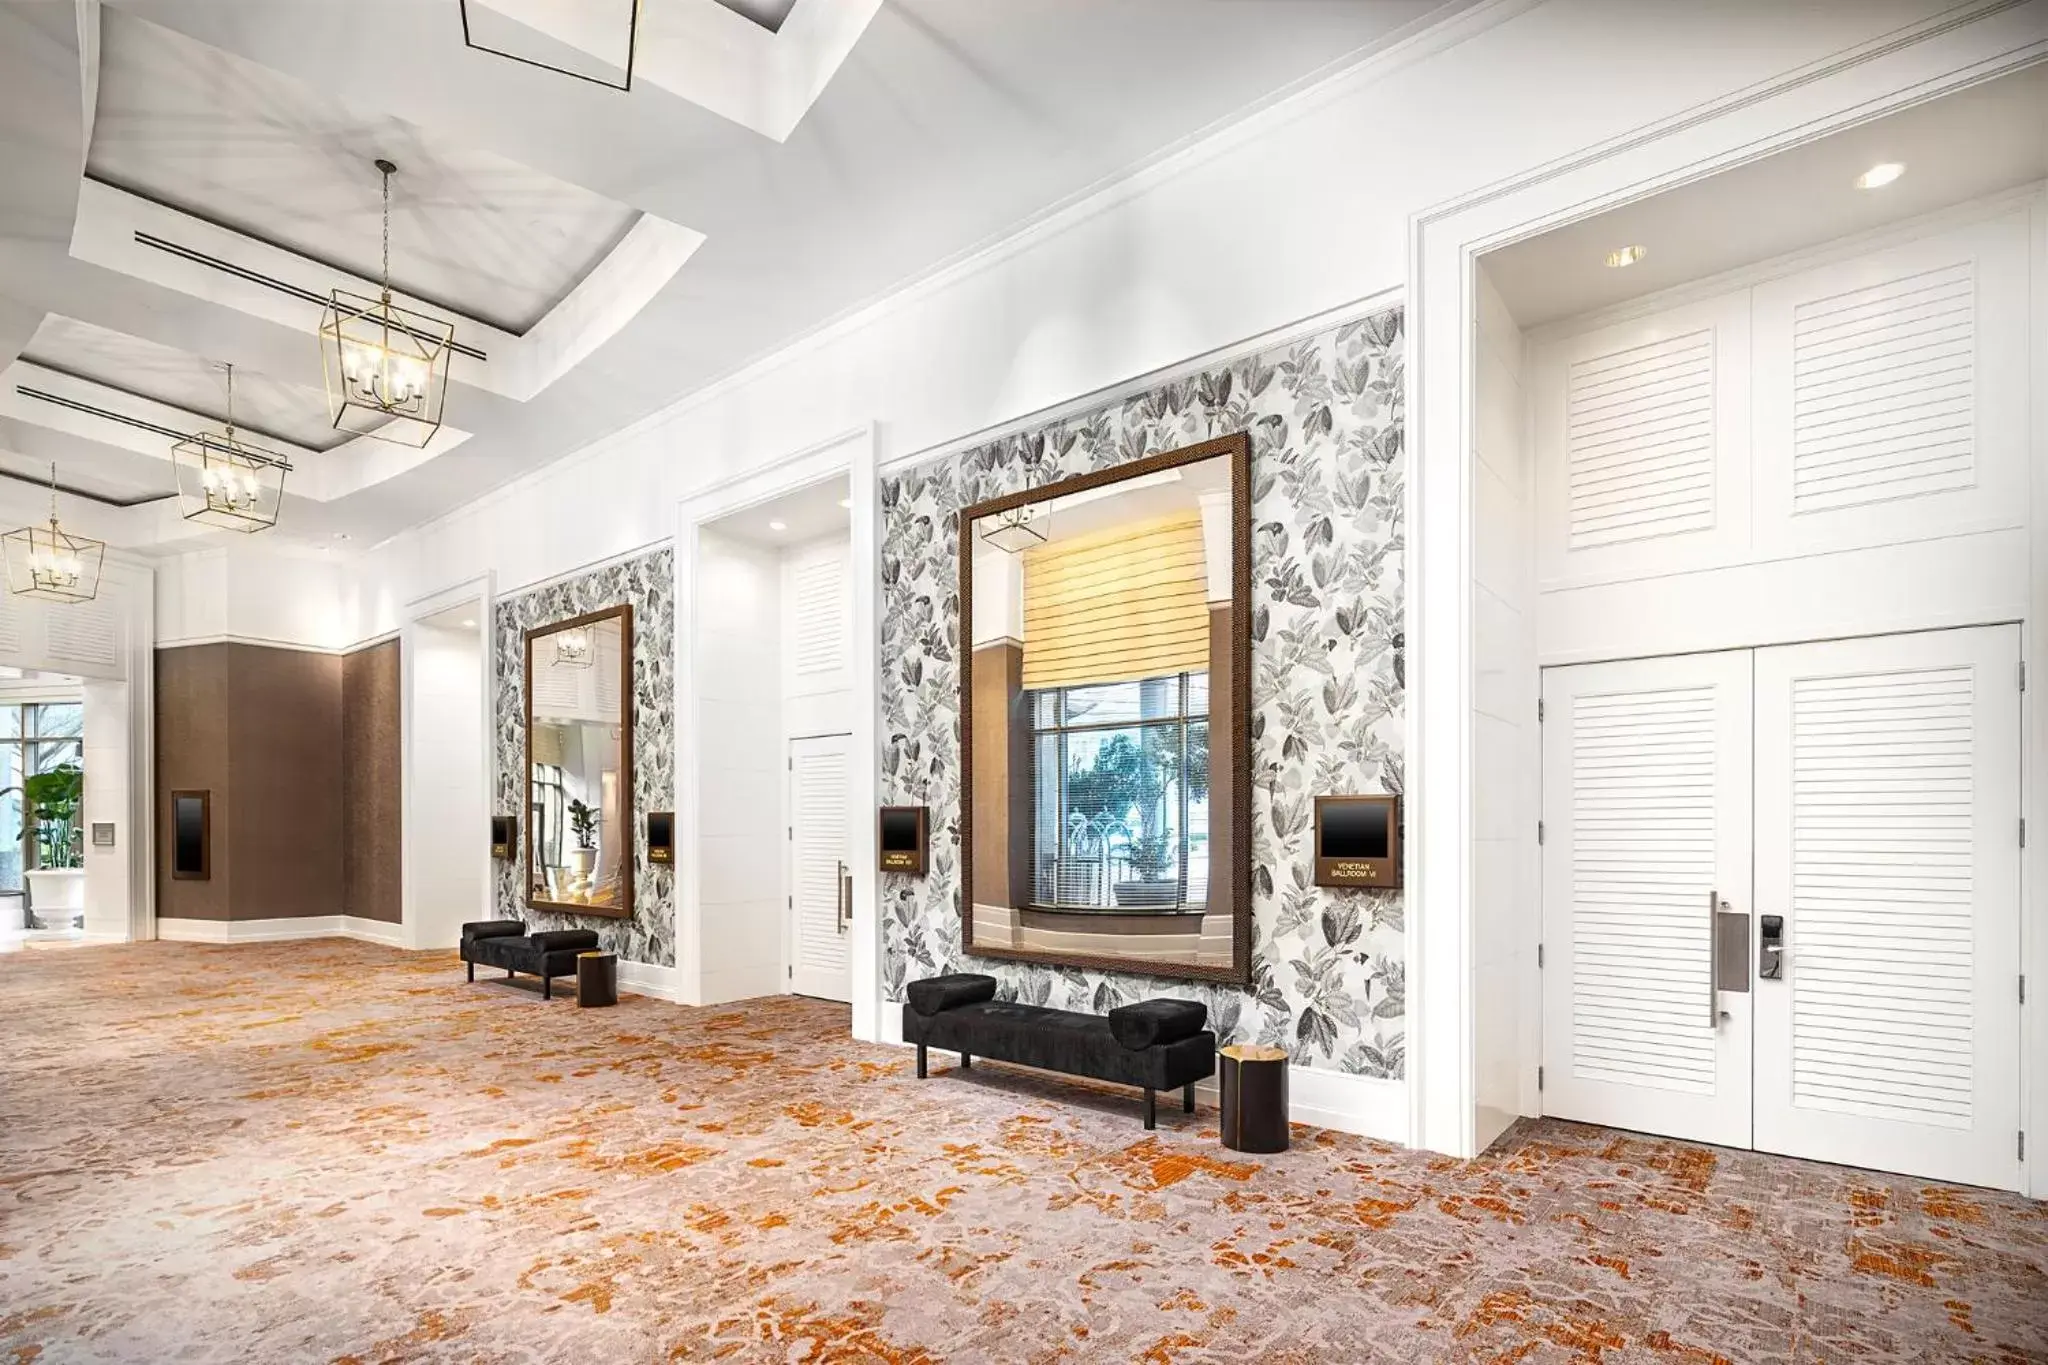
x: 1105, y: 709
x: 579, y: 764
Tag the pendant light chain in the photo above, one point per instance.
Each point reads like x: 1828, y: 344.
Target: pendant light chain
x: 231, y: 402
x: 384, y: 167
x: 53, y: 497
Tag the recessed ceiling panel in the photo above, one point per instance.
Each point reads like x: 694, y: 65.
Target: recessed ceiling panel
x: 239, y: 144
x: 1964, y: 146
x: 104, y: 473
x: 263, y: 406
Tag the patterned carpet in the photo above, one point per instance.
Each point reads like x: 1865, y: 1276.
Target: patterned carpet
x: 337, y: 1152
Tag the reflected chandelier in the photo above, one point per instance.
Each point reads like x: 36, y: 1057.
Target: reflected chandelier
x: 51, y: 564
x: 386, y: 367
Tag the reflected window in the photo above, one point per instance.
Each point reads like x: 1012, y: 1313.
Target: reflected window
x: 41, y: 788
x: 1120, y: 783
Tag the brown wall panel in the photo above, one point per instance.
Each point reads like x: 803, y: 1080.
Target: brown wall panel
x: 192, y: 755
x: 370, y: 780
x: 284, y: 783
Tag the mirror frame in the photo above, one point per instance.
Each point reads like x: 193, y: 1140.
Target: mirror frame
x: 623, y: 614
x: 1237, y: 449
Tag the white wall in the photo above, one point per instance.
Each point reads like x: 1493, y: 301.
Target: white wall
x: 446, y: 866
x: 251, y: 593
x: 1298, y: 210
x: 741, y: 852
x: 110, y: 795
x: 1505, y: 744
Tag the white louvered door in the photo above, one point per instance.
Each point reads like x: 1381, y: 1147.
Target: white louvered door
x: 819, y: 891
x: 1888, y: 783
x: 1646, y: 810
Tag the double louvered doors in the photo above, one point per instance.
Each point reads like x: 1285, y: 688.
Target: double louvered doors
x: 1781, y: 900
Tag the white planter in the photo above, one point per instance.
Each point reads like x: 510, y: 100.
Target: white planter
x: 56, y: 896
x: 583, y: 861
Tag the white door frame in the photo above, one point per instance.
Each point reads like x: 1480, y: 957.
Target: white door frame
x: 850, y: 455
x: 480, y: 590
x: 1936, y: 56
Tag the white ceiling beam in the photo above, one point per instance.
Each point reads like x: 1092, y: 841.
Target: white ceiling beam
x: 105, y: 233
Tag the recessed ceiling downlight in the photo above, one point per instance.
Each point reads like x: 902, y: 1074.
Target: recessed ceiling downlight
x: 778, y: 526
x: 1880, y: 175
x: 1625, y: 256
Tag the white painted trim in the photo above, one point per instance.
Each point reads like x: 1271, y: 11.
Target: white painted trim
x: 269, y: 642
x: 850, y: 454
x: 1954, y: 49
x: 655, y: 982
x: 2034, y: 744
x: 248, y: 930
x: 372, y: 930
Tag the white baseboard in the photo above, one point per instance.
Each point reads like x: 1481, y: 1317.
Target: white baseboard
x: 247, y: 930
x: 645, y: 978
x: 374, y: 930
x: 1365, y: 1105
x: 272, y: 930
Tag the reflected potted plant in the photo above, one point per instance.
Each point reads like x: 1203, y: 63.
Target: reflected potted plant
x: 583, y: 824
x: 52, y: 803
x: 1152, y: 858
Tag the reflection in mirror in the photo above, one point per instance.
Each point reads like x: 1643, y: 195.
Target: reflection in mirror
x: 579, y: 743
x: 1106, y: 707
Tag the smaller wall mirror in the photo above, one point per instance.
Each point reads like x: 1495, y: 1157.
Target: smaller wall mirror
x: 579, y: 764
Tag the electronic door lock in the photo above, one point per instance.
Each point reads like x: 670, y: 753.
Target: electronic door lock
x: 1770, y: 956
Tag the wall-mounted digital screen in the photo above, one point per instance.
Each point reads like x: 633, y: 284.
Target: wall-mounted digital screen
x: 899, y: 831
x: 189, y: 834
x: 1355, y: 830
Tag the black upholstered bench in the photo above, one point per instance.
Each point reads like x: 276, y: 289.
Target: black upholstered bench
x: 1155, y: 1044
x: 505, y: 943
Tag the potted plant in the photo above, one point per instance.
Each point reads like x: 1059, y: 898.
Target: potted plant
x: 583, y: 824
x: 52, y: 803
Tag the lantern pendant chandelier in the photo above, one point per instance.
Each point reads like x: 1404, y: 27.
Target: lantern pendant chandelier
x: 226, y: 482
x: 386, y: 367
x: 573, y: 648
x: 51, y: 564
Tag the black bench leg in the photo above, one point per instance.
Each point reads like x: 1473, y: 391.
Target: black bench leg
x: 1187, y: 1098
x: 1151, y: 1107
x: 470, y: 967
x: 966, y: 1062
x: 547, y: 986
x: 920, y: 1061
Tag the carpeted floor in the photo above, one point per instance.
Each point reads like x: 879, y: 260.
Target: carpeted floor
x: 336, y: 1152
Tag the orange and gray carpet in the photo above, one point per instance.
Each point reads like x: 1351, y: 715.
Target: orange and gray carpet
x: 341, y: 1153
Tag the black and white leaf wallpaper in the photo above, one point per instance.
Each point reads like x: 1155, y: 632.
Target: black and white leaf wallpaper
x: 1325, y: 417
x: 647, y: 583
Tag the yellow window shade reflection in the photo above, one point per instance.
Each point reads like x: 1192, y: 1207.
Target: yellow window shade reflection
x: 1128, y: 602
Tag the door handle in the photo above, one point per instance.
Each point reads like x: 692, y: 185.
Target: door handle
x: 845, y: 907
x: 1713, y: 960
x: 1718, y: 915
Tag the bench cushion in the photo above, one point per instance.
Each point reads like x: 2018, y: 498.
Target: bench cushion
x: 1149, y: 1022
x: 937, y: 993
x: 563, y: 940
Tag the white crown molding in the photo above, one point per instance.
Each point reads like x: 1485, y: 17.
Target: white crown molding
x: 713, y: 57
x: 515, y: 367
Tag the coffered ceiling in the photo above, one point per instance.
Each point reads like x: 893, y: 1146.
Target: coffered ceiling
x: 186, y: 178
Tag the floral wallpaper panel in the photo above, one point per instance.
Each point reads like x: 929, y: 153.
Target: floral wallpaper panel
x: 1325, y: 418
x: 647, y: 583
